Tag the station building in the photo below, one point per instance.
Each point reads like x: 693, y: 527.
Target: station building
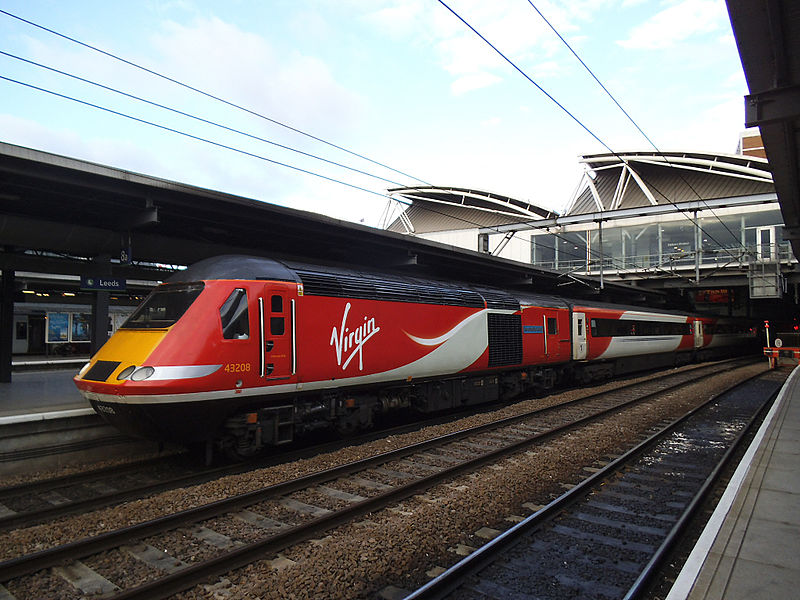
x: 709, y: 225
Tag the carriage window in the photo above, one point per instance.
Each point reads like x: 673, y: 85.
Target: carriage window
x: 552, y: 326
x: 629, y: 327
x: 233, y: 316
x: 276, y: 326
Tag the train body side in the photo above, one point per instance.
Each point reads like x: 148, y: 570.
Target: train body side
x: 615, y: 333
x: 227, y: 352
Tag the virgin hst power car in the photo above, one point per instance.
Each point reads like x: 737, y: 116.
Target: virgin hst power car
x: 244, y: 352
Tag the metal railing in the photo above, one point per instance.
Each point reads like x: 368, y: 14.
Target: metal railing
x: 716, y: 258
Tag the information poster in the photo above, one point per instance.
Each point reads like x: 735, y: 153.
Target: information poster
x: 80, y: 327
x: 57, y: 327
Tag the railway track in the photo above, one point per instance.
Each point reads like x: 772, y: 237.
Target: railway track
x: 263, y: 522
x: 37, y: 502
x: 608, y: 536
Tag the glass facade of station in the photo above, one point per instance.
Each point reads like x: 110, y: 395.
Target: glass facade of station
x: 701, y: 239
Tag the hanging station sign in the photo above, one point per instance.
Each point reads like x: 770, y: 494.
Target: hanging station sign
x: 102, y: 284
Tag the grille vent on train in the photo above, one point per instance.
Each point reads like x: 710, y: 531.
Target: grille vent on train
x: 101, y: 370
x: 348, y: 286
x: 505, y: 339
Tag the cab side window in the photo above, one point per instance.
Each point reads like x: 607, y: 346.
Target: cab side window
x: 277, y: 325
x: 233, y: 316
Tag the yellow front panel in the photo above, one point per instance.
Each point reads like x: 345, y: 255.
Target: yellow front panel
x: 130, y: 347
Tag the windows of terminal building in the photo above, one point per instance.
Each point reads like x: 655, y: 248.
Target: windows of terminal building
x: 709, y: 240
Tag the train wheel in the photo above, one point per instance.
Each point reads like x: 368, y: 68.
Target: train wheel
x: 355, y: 420
x: 241, y: 449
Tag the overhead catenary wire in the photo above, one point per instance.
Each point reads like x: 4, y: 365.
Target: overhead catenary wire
x: 221, y: 145
x: 188, y: 135
x: 526, y: 76
x: 564, y: 109
x: 258, y: 156
x: 191, y: 116
x: 199, y: 138
x: 185, y: 134
x: 218, y: 144
x: 214, y: 97
x: 631, y: 119
x: 207, y: 94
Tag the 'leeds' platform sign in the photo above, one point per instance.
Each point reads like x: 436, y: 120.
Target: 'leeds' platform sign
x: 102, y: 284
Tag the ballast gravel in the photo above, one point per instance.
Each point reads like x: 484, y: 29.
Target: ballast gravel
x: 396, y: 546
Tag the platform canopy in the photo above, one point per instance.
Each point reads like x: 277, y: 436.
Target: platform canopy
x: 768, y: 37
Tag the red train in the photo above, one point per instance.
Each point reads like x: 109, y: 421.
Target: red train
x: 247, y: 352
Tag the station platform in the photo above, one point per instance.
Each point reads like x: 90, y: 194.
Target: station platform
x: 41, y: 394
x: 750, y: 548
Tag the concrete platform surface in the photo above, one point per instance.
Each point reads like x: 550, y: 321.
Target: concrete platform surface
x: 34, y: 392
x: 750, y: 548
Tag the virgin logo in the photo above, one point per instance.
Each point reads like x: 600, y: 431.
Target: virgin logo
x: 349, y: 342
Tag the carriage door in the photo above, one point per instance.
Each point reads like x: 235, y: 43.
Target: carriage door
x: 698, y: 333
x: 276, y: 308
x: 579, y: 336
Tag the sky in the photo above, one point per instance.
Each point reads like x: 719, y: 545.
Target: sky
x: 386, y: 93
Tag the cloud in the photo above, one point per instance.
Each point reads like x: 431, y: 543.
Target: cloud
x: 396, y: 19
x: 715, y: 129
x: 102, y: 150
x: 675, y: 24
x: 311, y: 24
x: 163, y: 7
x: 244, y: 67
x: 473, y: 81
x: 514, y: 27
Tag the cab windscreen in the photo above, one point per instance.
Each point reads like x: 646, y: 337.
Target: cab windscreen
x: 164, y: 306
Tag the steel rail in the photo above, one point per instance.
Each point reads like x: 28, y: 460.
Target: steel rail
x: 42, y: 451
x: 449, y: 581
x: 101, y: 500
x: 639, y: 587
x: 195, y: 574
x: 53, y: 483
x: 27, y: 564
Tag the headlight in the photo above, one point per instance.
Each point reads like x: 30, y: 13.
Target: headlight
x: 126, y: 373
x: 84, y: 368
x: 142, y: 373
